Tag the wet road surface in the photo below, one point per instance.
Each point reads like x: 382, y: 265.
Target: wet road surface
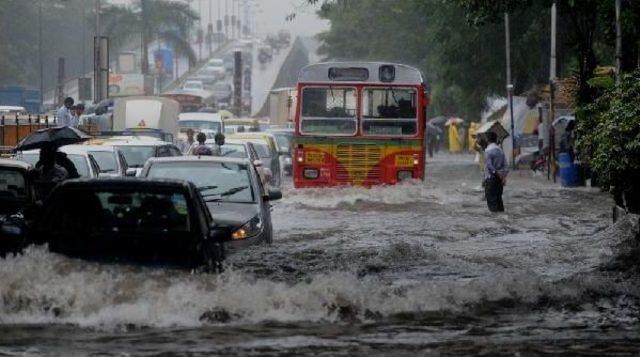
x: 415, y: 268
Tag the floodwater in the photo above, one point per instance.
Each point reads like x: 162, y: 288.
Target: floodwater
x: 404, y: 270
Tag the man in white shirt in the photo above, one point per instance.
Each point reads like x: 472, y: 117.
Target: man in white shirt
x: 64, y: 116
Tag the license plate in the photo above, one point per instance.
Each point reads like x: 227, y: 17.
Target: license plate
x: 404, y: 160
x: 314, y: 158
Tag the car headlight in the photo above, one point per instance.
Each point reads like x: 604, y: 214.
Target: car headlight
x: 249, y: 229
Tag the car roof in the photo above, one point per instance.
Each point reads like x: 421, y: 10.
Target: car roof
x: 202, y: 158
x: 83, y: 149
x: 230, y: 141
x: 138, y: 182
x: 15, y: 164
x: 137, y: 143
x: 213, y: 117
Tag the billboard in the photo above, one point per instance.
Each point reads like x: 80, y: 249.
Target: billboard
x: 126, y: 84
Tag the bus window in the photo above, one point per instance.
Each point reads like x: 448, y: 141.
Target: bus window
x: 328, y: 111
x: 389, y: 111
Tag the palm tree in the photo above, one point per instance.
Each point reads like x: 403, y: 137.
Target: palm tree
x: 166, y: 20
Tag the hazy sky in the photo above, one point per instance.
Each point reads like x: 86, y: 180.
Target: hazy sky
x: 272, y: 17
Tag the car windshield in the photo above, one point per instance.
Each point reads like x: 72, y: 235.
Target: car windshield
x: 80, y: 162
x: 12, y: 184
x: 136, y: 155
x: 106, y: 160
x: 329, y: 111
x: 389, y: 111
x: 262, y: 150
x: 86, y: 212
x: 193, y: 85
x: 283, y: 140
x: 200, y: 125
x: 234, y: 150
x: 216, y: 181
x: 29, y: 158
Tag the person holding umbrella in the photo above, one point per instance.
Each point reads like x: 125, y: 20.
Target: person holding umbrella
x: 48, y: 169
x: 51, y: 164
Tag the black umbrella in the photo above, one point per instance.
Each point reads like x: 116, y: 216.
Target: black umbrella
x: 58, y: 136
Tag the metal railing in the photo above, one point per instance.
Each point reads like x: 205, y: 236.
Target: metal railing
x: 14, y: 128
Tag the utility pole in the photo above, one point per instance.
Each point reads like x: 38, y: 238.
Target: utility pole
x: 84, y: 38
x: 210, y: 29
x: 219, y: 25
x: 226, y: 19
x: 40, y: 54
x: 552, y: 89
x: 510, y: 88
x: 618, y: 43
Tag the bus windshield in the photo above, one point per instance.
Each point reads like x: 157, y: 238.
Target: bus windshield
x: 389, y: 111
x: 329, y: 111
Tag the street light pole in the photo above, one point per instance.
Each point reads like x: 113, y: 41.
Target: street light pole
x: 40, y: 54
x: 552, y: 90
x: 510, y: 88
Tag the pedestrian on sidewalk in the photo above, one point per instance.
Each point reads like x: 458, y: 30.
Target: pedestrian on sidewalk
x: 495, y: 173
x: 64, y: 116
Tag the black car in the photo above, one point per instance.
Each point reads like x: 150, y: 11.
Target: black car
x: 157, y: 222
x: 17, y: 192
x: 232, y: 190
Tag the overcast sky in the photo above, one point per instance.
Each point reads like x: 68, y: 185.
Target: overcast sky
x: 272, y: 17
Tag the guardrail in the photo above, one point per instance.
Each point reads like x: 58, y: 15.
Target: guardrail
x: 14, y: 128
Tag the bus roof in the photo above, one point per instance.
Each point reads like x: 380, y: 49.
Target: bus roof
x: 364, y: 72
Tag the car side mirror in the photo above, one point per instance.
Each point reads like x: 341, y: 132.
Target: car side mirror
x: 131, y: 172
x: 257, y: 163
x: 219, y: 234
x: 274, y: 194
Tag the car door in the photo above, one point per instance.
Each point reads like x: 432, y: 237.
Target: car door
x: 265, y: 205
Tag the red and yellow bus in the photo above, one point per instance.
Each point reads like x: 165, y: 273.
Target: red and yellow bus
x: 359, y: 124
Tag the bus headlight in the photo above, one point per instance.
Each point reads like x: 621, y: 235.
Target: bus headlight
x: 404, y: 175
x: 310, y: 174
x: 249, y: 229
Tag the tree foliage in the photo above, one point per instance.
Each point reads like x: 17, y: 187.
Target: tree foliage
x: 459, y: 44
x: 149, y: 20
x: 463, y: 62
x: 609, y: 137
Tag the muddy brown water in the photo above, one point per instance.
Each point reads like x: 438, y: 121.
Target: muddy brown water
x: 412, y: 269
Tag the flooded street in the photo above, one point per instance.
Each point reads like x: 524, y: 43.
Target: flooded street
x: 414, y: 268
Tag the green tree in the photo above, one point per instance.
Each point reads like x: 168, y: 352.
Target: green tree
x: 463, y: 62
x: 608, y: 137
x: 169, y: 21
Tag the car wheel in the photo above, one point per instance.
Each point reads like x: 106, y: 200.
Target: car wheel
x: 213, y: 254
